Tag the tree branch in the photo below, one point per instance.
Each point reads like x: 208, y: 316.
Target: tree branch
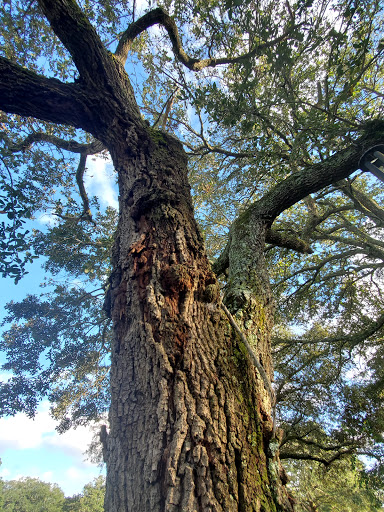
x: 362, y: 202
x: 302, y: 183
x: 160, y: 17
x: 280, y: 239
x: 69, y: 145
x: 83, y: 193
x: 77, y: 34
x: 315, y: 177
x: 307, y: 456
x: 350, y: 339
x: 26, y: 93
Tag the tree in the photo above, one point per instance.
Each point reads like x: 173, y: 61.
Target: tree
x: 190, y: 416
x: 92, y: 498
x: 30, y: 495
x: 339, y: 488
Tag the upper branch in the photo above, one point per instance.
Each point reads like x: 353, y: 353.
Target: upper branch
x: 28, y: 94
x: 77, y: 34
x: 300, y: 184
x: 160, y: 17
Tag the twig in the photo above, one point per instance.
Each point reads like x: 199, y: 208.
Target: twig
x: 256, y: 363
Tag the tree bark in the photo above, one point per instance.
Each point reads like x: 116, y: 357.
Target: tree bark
x: 189, y: 420
x: 190, y: 423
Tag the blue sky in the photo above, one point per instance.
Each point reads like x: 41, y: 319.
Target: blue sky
x: 32, y: 447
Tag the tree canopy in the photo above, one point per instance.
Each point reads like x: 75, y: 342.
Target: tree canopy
x: 30, y: 495
x: 33, y: 495
x: 275, y: 102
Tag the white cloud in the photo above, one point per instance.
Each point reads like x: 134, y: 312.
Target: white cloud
x: 73, y: 442
x: 33, y: 448
x: 4, y: 473
x: 20, y: 432
x: 47, y: 219
x: 73, y: 473
x: 100, y: 181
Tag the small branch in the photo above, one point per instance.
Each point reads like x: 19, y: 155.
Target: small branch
x: 368, y: 89
x: 168, y: 108
x: 160, y: 17
x: 325, y: 448
x: 254, y: 360
x: 307, y: 456
x: 350, y: 339
x: 68, y: 145
x: 83, y: 193
x: 86, y: 213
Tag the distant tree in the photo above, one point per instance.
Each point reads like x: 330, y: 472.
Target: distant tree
x: 31, y: 495
x: 90, y: 500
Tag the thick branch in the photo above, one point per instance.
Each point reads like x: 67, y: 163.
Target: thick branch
x: 302, y: 183
x: 77, y: 34
x: 313, y: 178
x: 160, y: 17
x: 26, y: 93
x: 362, y: 202
x: 289, y: 242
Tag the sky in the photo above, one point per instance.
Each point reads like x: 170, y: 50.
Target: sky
x: 32, y: 447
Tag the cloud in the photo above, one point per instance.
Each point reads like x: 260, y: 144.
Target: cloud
x: 4, y: 473
x: 73, y: 473
x: 33, y: 448
x: 20, y: 432
x: 47, y: 219
x: 73, y: 442
x: 100, y: 181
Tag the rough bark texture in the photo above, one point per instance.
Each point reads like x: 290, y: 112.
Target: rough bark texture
x: 189, y: 427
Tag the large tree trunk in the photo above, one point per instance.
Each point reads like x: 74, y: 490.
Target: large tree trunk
x: 189, y: 420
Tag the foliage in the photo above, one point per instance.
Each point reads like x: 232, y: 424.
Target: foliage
x: 341, y: 488
x: 31, y: 495
x: 246, y: 126
x: 91, y: 500
x: 59, y: 348
x: 325, y: 374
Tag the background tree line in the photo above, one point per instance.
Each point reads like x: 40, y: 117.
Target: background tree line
x: 34, y: 495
